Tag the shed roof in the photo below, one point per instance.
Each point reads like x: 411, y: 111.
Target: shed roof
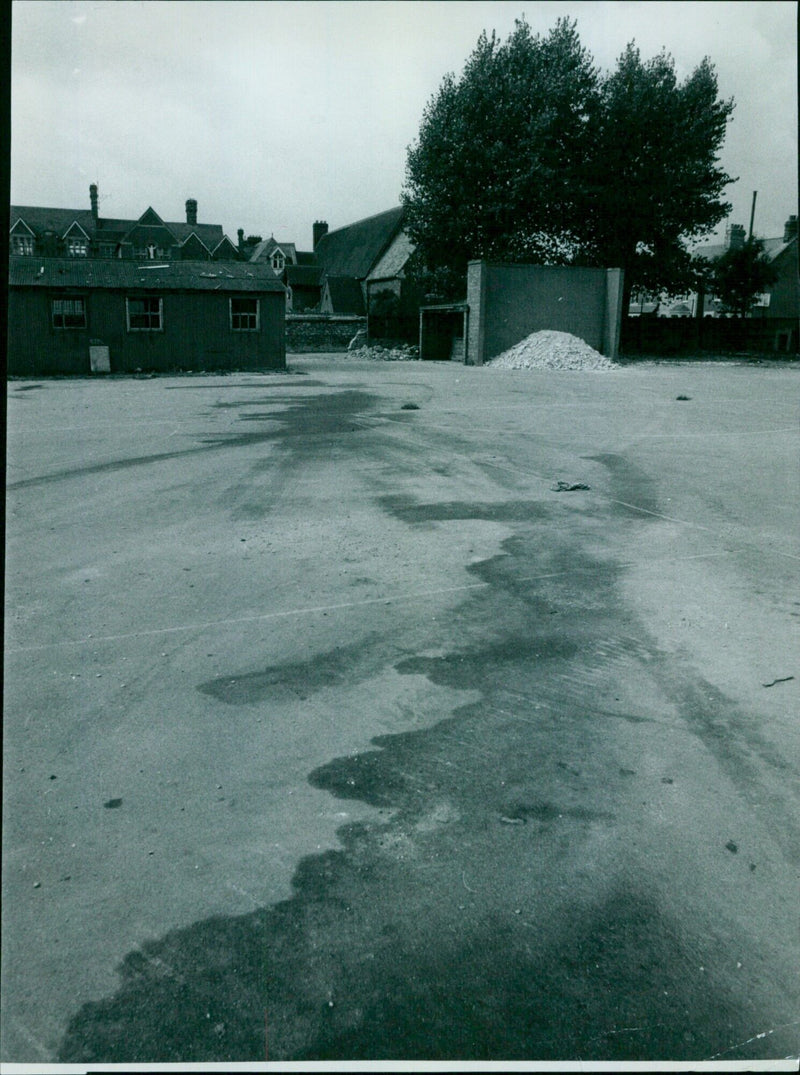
x: 353, y: 250
x: 133, y: 275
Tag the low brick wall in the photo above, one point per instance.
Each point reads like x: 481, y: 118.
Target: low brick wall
x: 321, y: 332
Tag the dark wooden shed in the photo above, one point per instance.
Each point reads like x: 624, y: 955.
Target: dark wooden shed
x: 76, y: 316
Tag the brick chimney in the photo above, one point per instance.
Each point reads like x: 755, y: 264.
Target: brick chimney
x: 191, y: 211
x: 93, y: 200
x: 320, y: 229
x: 734, y: 236
x: 790, y: 229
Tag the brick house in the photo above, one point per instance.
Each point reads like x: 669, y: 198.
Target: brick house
x: 357, y: 251
x: 782, y: 300
x: 297, y: 269
x: 346, y: 268
x: 36, y: 231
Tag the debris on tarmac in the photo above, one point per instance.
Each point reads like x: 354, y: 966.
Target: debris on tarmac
x: 782, y: 679
x: 404, y: 353
x: 568, y: 487
x: 683, y: 397
x: 112, y: 804
x: 732, y: 847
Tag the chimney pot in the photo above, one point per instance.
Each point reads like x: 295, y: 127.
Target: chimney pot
x: 320, y: 229
x: 735, y: 236
x: 93, y: 199
x: 191, y: 211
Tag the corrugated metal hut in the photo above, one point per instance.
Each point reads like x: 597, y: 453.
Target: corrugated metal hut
x: 73, y: 316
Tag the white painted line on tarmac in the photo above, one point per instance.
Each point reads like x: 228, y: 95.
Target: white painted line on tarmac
x: 315, y: 609
x: 625, y: 504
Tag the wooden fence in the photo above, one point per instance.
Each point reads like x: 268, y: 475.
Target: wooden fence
x: 648, y: 335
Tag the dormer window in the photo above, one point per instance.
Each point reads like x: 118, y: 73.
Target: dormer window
x: 278, y: 261
x: 77, y: 247
x: 22, y: 244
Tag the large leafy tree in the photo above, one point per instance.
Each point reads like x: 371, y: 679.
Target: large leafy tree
x: 501, y: 156
x: 656, y: 184
x: 534, y: 155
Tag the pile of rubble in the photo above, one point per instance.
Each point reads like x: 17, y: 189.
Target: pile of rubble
x: 550, y: 350
x: 404, y: 353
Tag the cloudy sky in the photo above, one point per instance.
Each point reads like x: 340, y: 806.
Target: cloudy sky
x: 275, y: 113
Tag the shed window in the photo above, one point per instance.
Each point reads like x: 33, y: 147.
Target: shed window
x: 69, y: 313
x: 145, y: 315
x: 244, y: 315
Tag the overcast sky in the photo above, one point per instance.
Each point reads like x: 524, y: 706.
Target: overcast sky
x: 275, y: 113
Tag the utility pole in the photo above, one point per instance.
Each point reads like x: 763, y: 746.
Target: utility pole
x: 752, y: 216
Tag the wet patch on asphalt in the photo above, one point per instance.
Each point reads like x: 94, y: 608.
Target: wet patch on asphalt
x: 330, y: 975
x: 307, y: 417
x: 300, y: 678
x: 508, y: 511
x: 461, y: 921
x: 328, y: 415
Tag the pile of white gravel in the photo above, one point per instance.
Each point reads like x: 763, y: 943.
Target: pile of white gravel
x: 550, y: 350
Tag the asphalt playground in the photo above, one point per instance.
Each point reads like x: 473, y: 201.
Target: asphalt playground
x: 336, y: 729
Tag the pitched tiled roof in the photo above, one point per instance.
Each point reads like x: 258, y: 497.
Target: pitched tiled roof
x: 210, y: 234
x: 266, y: 247
x: 41, y: 219
x: 772, y: 248
x: 345, y: 295
x: 303, y: 275
x: 352, y: 251
x: 393, y: 261
x: 306, y: 257
x: 133, y: 275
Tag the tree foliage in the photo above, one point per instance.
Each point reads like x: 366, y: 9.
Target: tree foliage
x: 656, y: 183
x: 492, y: 174
x: 534, y: 155
x: 740, y: 275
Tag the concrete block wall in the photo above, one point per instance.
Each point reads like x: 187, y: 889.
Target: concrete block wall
x: 509, y: 302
